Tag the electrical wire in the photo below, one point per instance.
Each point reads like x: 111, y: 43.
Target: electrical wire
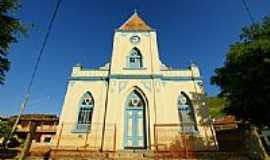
x: 36, y: 66
x: 250, y: 15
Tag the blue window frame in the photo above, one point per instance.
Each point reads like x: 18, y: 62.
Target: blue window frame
x: 135, y: 60
x: 85, y: 113
x: 186, y: 114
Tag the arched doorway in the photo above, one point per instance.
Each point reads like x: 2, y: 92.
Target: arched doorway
x: 135, y: 126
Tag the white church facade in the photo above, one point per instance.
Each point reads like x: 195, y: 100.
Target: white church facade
x: 124, y: 104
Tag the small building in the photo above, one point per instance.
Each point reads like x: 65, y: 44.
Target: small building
x: 135, y: 101
x: 45, y: 130
x: 3, y: 118
x: 225, y: 123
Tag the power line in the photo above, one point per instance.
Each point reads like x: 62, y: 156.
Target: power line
x: 251, y: 17
x: 43, y: 46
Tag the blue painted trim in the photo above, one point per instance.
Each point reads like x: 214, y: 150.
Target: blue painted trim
x: 115, y: 76
x: 167, y: 78
x: 135, y: 31
x: 134, y: 128
x: 93, y: 69
x: 85, y: 129
x: 181, y: 78
x: 75, y: 130
x: 135, y: 68
x: 175, y: 69
x: 98, y: 78
x: 125, y: 128
x: 155, y: 77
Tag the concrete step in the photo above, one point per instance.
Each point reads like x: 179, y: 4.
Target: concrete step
x: 141, y: 155
x: 132, y: 155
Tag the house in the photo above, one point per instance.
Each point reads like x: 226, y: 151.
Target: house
x: 46, y: 125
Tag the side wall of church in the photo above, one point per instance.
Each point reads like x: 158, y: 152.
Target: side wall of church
x: 70, y: 111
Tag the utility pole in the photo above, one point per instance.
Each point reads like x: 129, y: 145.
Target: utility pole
x: 28, y: 140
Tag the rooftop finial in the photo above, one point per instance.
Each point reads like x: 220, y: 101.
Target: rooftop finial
x: 135, y: 11
x: 193, y: 63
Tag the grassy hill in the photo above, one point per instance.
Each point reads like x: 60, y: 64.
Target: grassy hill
x: 216, y: 106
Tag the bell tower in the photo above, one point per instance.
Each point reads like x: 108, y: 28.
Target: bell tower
x: 135, y: 49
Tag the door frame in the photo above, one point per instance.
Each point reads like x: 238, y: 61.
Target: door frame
x: 146, y: 123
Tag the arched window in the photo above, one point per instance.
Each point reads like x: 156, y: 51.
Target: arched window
x: 186, y: 113
x: 135, y: 59
x: 85, y: 112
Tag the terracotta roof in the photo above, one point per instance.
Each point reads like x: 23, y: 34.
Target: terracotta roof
x: 135, y: 23
x: 37, y: 117
x: 225, y: 120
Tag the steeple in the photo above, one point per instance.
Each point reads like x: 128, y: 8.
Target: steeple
x: 135, y: 23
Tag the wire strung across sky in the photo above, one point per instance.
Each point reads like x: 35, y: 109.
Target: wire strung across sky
x: 250, y: 15
x: 36, y: 66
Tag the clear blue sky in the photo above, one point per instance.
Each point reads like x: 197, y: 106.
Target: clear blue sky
x: 198, y: 30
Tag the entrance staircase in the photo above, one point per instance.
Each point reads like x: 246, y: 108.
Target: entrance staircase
x: 142, y: 155
x: 92, y: 155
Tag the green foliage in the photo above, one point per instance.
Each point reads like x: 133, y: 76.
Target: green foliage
x: 10, y: 29
x: 216, y: 106
x: 245, y: 77
x: 5, y: 128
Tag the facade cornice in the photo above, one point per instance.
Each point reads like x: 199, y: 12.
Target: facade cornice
x: 137, y: 77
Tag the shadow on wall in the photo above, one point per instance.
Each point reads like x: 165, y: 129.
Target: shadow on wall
x: 200, y: 108
x: 184, y: 146
x: 171, y: 138
x: 185, y: 142
x: 203, y: 139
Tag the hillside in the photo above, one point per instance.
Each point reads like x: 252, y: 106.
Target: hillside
x: 216, y: 106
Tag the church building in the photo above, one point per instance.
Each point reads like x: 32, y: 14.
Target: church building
x: 134, y: 101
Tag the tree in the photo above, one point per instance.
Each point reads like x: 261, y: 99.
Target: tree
x: 10, y: 28
x: 5, y: 128
x: 244, y: 79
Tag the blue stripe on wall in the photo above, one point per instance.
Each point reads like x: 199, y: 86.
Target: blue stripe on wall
x: 141, y: 77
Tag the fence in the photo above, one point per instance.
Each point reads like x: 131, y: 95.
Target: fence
x: 167, y: 137
x: 184, y: 137
x: 170, y: 141
x: 74, y: 137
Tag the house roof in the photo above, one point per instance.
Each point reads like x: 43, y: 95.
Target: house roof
x: 135, y: 23
x: 37, y: 117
